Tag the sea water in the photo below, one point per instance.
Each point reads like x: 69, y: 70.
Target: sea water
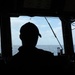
x: 50, y: 48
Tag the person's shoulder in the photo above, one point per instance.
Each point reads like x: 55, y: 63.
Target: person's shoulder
x: 15, y: 57
x: 45, y: 52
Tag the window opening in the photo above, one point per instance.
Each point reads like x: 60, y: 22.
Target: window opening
x: 47, y: 42
x: 73, y: 33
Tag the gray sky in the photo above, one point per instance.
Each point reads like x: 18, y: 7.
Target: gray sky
x: 47, y: 35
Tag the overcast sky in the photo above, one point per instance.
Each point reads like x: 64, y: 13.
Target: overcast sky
x: 48, y: 37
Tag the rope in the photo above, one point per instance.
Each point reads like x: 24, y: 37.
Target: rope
x: 54, y: 33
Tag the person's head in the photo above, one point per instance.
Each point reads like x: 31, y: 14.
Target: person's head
x: 29, y: 34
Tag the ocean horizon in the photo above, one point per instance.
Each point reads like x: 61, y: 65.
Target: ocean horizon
x: 50, y: 48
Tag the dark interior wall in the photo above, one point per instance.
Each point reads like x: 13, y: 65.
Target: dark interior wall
x: 0, y: 35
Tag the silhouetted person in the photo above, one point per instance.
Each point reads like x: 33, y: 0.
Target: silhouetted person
x: 29, y: 57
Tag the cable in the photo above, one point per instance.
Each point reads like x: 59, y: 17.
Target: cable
x: 54, y: 33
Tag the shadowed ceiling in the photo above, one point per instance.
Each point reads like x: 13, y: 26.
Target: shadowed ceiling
x: 39, y: 7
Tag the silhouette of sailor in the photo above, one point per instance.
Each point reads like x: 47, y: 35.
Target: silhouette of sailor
x: 29, y: 56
